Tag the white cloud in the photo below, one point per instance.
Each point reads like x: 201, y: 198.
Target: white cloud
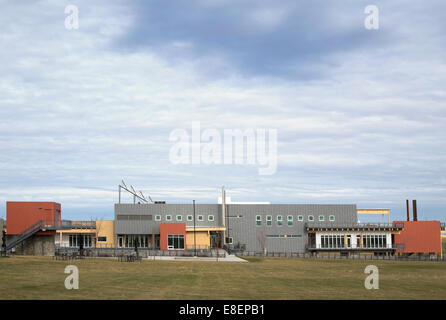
x: 75, y: 111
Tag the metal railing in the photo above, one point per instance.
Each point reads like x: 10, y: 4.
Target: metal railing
x: 68, y: 224
x: 331, y: 256
x: 340, y: 248
x: 42, y: 225
x: 316, y: 225
x: 143, y: 252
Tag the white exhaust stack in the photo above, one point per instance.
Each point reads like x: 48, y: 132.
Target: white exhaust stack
x: 223, y: 211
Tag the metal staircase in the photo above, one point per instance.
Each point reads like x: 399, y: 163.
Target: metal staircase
x: 42, y: 225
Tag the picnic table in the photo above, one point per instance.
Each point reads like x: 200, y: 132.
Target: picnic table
x: 129, y: 258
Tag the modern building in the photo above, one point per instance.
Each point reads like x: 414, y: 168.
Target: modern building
x: 88, y: 234
x: 293, y: 228
x: 32, y: 226
x: 37, y: 228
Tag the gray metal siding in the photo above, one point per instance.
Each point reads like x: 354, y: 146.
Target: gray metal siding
x: 242, y: 229
x: 153, y: 227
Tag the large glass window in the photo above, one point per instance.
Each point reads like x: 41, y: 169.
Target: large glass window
x: 374, y: 241
x: 334, y: 241
x: 142, y: 241
x: 175, y: 242
x: 75, y: 240
x: 290, y: 220
x: 279, y: 220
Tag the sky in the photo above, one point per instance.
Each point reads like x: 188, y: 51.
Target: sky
x: 360, y: 114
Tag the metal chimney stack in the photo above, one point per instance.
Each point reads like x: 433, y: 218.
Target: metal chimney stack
x: 414, y: 204
x: 407, y: 207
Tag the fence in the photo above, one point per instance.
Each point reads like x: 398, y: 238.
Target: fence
x: 142, y: 252
x: 337, y: 256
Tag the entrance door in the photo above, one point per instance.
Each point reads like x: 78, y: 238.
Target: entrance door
x: 215, y: 239
x: 120, y: 242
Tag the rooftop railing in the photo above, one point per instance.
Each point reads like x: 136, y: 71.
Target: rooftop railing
x: 68, y: 224
x: 329, y: 225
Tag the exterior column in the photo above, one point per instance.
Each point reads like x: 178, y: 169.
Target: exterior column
x: 360, y: 241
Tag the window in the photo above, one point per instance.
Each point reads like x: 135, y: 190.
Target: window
x: 279, y: 220
x: 168, y: 217
x: 310, y: 218
x: 175, y: 242
x: 331, y: 218
x: 269, y: 221
x: 333, y: 241
x: 228, y: 240
x: 258, y: 220
x: 300, y: 218
x: 210, y: 218
x: 290, y: 220
x: 200, y: 218
x: 102, y: 238
x: 374, y: 241
x: 76, y: 240
x: 179, y: 218
x: 141, y: 241
x: 158, y: 218
x: 321, y: 218
x: 190, y: 218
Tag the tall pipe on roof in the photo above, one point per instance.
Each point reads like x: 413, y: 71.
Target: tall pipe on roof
x: 414, y: 204
x: 223, y: 212
x: 407, y: 207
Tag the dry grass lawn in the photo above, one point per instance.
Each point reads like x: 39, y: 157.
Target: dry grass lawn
x: 30, y: 277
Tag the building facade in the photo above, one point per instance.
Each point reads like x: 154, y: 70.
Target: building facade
x: 294, y: 228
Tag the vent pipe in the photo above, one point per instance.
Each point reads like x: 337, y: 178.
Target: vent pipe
x: 414, y: 204
x: 407, y: 207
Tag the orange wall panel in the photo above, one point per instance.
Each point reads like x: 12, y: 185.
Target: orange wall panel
x: 419, y: 237
x: 171, y: 228
x: 21, y: 215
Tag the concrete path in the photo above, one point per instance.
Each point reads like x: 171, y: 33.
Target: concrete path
x: 228, y: 258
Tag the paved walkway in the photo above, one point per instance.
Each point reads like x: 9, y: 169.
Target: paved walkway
x: 228, y: 258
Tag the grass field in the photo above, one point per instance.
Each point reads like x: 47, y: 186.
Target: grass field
x: 29, y: 277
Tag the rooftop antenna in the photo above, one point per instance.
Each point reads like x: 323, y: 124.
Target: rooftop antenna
x: 133, y: 192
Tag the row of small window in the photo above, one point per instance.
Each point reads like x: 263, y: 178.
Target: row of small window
x: 290, y: 219
x: 188, y: 218
x: 284, y: 236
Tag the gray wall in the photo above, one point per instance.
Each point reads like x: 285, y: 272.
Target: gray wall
x: 240, y: 223
x: 36, y: 245
x: 244, y: 230
x: 153, y: 227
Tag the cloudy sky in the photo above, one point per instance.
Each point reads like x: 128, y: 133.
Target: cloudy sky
x: 360, y: 114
